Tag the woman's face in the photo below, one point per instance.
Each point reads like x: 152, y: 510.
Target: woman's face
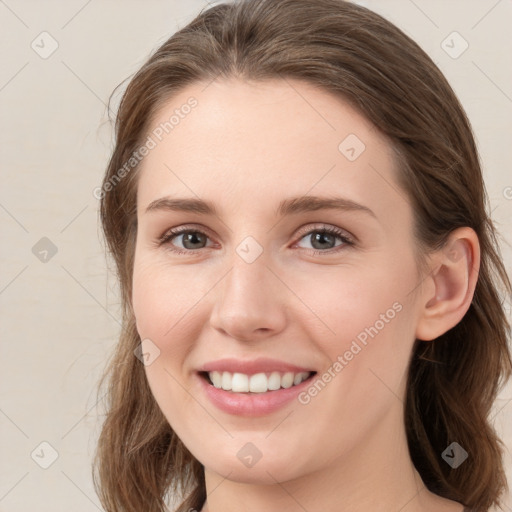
x: 258, y: 279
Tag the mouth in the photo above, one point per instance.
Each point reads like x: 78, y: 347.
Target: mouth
x: 257, y: 383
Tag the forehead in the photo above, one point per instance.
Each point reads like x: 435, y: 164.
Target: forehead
x: 264, y: 140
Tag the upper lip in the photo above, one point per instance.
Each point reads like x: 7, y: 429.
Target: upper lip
x: 250, y: 367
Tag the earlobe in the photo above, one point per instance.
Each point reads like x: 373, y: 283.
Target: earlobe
x: 454, y: 280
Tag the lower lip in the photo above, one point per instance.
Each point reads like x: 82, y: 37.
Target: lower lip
x: 251, y: 404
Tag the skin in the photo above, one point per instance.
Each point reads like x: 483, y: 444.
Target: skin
x: 245, y: 147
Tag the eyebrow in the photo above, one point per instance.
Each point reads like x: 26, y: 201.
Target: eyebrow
x: 290, y: 206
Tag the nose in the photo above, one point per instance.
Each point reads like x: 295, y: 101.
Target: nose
x: 249, y: 302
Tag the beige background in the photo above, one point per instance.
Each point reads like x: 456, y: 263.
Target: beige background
x: 60, y: 318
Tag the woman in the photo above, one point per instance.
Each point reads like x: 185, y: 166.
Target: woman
x: 310, y: 278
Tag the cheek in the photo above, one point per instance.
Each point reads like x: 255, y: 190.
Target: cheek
x: 163, y: 304
x: 164, y: 298
x: 367, y: 357
x: 362, y: 320
x: 344, y: 301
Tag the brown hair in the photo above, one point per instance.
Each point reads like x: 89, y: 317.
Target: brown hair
x: 358, y: 55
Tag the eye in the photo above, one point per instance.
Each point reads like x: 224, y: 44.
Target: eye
x: 323, y: 239
x: 191, y: 239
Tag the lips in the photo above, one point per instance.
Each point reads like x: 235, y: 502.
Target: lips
x: 250, y: 404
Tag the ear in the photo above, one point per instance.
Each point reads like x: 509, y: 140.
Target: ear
x: 450, y: 286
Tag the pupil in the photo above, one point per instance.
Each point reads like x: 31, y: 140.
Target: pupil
x: 191, y: 237
x: 321, y: 237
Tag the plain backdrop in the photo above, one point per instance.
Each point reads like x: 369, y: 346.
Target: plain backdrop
x: 59, y: 305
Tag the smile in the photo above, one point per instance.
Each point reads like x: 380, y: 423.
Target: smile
x: 252, y: 395
x: 256, y: 383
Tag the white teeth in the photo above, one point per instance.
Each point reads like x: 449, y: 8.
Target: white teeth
x: 297, y: 379
x: 239, y: 383
x: 274, y: 381
x: 257, y: 383
x: 225, y: 380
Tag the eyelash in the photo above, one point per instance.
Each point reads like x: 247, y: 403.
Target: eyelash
x: 347, y: 242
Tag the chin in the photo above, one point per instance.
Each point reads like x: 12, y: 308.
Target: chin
x: 265, y: 471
